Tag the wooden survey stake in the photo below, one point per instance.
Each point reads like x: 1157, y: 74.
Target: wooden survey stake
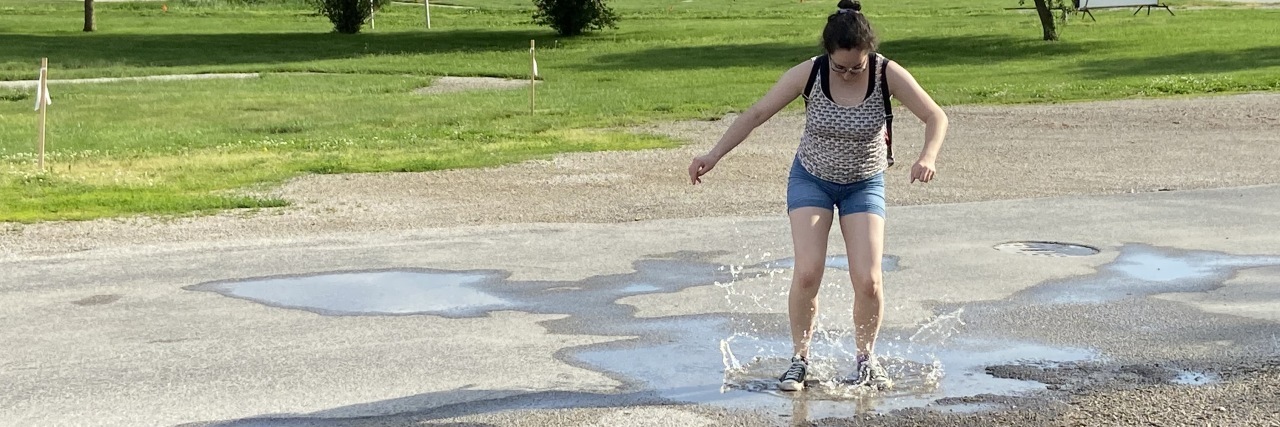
x: 42, y: 104
x: 533, y: 76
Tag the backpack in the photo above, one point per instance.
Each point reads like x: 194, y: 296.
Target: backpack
x: 820, y: 63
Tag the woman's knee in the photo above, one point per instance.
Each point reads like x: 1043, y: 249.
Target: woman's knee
x: 807, y: 279
x: 867, y: 285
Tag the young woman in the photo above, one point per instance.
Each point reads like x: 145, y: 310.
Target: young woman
x: 839, y: 167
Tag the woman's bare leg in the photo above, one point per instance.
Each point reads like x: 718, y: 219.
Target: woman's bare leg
x: 864, y: 240
x: 810, y: 228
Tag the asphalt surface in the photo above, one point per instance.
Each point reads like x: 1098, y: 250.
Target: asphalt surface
x: 352, y: 314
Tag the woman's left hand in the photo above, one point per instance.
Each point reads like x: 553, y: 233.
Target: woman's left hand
x: 923, y: 170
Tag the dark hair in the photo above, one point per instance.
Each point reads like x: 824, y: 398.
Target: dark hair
x: 848, y: 28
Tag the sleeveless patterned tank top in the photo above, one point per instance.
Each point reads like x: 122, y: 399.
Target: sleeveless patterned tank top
x: 845, y: 144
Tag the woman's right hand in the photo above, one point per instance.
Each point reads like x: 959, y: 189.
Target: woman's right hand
x: 700, y: 166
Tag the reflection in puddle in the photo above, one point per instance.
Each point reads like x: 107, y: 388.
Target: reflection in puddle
x: 640, y: 288
x: 390, y: 292
x: 1143, y: 270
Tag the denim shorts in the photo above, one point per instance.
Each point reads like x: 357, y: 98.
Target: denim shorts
x: 806, y: 190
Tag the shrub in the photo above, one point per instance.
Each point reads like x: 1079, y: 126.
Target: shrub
x: 573, y: 17
x: 348, y: 16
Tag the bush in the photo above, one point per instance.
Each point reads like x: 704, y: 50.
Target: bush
x: 244, y: 2
x: 573, y: 17
x: 348, y: 16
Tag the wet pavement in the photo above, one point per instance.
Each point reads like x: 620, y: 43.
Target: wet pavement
x: 576, y: 319
x: 732, y: 361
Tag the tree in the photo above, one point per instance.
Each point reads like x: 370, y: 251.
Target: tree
x: 573, y: 17
x: 89, y: 24
x: 1045, y: 8
x: 1046, y: 20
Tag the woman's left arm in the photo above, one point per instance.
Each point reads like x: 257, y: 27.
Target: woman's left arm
x: 904, y: 87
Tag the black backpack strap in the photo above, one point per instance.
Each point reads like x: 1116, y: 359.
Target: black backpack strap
x: 818, y: 63
x: 888, y: 110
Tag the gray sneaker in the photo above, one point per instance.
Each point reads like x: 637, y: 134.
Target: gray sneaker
x: 793, y: 379
x: 871, y: 374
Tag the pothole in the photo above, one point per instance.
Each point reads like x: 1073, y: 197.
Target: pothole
x: 1049, y: 249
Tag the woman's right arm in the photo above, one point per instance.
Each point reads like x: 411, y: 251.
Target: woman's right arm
x: 787, y: 89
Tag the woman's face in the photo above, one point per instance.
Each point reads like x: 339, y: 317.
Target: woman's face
x: 848, y: 63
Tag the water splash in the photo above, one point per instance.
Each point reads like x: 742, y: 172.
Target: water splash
x: 932, y: 361
x: 936, y: 331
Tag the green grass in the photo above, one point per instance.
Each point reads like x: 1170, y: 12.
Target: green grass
x: 332, y: 103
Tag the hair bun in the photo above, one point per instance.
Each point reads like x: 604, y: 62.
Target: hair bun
x: 853, y: 5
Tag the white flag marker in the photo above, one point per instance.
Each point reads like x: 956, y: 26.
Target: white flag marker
x: 42, y: 92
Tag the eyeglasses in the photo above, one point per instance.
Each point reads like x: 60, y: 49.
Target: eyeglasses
x: 840, y: 69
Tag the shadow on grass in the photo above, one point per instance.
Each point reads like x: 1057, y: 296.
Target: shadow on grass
x: 979, y: 49
x: 173, y: 50
x: 1186, y: 63
x: 930, y: 51
x: 773, y: 55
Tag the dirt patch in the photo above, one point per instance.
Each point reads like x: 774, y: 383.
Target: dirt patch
x: 459, y: 84
x: 23, y: 84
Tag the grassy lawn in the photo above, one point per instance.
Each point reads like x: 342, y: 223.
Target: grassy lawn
x: 331, y: 103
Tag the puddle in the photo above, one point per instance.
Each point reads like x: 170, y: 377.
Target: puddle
x: 677, y: 358
x: 589, y: 303
x: 1052, y: 249
x: 731, y: 357
x: 922, y: 374
x: 1194, y: 378
x: 838, y: 262
x: 694, y: 363
x: 388, y: 292
x: 640, y: 288
x: 1142, y: 270
x: 733, y: 361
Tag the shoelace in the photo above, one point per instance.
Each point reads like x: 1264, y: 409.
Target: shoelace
x: 795, y: 371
